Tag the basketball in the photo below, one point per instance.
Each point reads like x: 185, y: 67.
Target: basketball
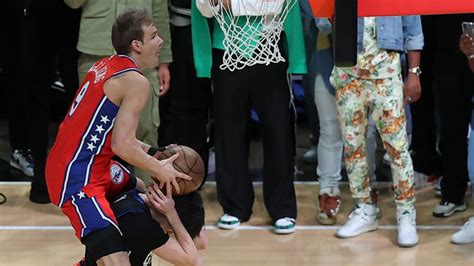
x: 188, y: 162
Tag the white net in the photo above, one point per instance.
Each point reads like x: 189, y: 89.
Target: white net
x: 252, y: 38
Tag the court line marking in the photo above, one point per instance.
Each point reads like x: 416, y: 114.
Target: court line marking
x: 241, y: 228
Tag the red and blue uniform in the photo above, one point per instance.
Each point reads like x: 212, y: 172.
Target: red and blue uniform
x: 80, y: 171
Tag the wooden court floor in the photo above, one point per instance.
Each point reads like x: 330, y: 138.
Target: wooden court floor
x: 33, y: 234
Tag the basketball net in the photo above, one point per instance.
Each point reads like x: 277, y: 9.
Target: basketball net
x: 250, y: 40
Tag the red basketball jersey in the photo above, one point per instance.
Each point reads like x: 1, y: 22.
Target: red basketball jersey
x: 82, y: 152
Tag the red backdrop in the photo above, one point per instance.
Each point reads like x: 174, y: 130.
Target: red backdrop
x: 325, y: 8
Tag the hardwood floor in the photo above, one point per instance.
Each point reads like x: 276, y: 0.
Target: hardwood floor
x: 33, y: 234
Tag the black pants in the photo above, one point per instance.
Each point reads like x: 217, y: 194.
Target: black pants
x: 265, y: 88
x: 184, y: 110
x: 454, y: 88
x: 426, y: 158
x: 30, y: 52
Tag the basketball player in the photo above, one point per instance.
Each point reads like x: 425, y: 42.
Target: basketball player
x: 101, y: 123
x: 146, y: 220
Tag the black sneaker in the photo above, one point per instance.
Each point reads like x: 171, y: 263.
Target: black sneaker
x: 23, y: 161
x: 446, y: 208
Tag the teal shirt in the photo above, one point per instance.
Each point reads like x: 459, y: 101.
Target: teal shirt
x: 204, y: 41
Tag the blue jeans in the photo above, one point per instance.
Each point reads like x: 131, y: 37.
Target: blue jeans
x: 470, y: 155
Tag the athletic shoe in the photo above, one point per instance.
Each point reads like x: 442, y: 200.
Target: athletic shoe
x: 406, y: 221
x: 446, y: 209
x: 228, y: 222
x: 466, y: 234
x: 285, y: 225
x: 311, y: 156
x: 23, y: 161
x: 329, y: 203
x: 364, y: 218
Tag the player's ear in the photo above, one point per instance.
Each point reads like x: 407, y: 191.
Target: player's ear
x: 137, y: 46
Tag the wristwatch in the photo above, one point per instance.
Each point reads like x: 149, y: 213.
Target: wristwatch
x: 471, y: 56
x: 415, y: 70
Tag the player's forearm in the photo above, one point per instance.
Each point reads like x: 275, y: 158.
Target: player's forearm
x: 134, y: 153
x: 413, y: 58
x: 183, y: 237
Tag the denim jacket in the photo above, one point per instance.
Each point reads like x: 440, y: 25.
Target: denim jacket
x: 400, y: 33
x: 395, y: 33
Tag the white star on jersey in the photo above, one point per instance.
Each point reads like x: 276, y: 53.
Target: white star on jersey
x: 104, y: 119
x: 81, y: 195
x: 99, y: 129
x: 94, y: 138
x: 90, y: 146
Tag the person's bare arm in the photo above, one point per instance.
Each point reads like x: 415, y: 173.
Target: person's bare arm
x: 412, y: 86
x: 132, y: 90
x: 179, y: 251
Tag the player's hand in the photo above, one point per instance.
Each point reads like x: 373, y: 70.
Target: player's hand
x: 168, y: 174
x: 164, y: 78
x: 159, y: 201
x: 411, y: 89
x: 466, y: 44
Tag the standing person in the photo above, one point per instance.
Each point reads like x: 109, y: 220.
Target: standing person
x: 184, y: 110
x: 265, y: 87
x: 453, y: 82
x: 374, y: 87
x: 101, y: 124
x: 466, y: 234
x: 29, y: 66
x: 94, y: 43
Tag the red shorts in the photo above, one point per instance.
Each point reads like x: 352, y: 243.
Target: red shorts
x: 88, y: 210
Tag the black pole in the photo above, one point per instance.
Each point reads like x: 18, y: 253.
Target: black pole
x: 345, y: 33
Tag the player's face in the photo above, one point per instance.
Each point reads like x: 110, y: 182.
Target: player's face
x: 151, y: 46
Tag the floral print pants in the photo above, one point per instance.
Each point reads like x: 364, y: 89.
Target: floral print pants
x: 383, y: 99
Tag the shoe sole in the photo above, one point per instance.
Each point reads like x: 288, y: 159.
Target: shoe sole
x: 408, y: 245
x: 370, y: 228
x: 19, y: 168
x: 285, y: 231
x: 228, y: 226
x: 456, y: 209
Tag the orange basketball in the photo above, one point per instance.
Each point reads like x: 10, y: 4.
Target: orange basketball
x: 188, y: 162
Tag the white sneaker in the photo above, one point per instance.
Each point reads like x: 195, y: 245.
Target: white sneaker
x: 407, y: 235
x: 466, y: 234
x: 364, y: 218
x: 23, y: 161
x: 228, y: 222
x: 311, y: 156
x: 285, y: 225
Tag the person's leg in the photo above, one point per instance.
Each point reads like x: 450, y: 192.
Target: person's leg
x: 454, y: 112
x: 184, y: 110
x: 352, y: 106
x: 389, y: 117
x: 231, y: 114
x: 271, y: 97
x: 329, y: 153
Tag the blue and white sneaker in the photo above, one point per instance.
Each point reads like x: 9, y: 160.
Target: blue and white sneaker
x: 285, y: 225
x: 23, y: 161
x: 228, y: 222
